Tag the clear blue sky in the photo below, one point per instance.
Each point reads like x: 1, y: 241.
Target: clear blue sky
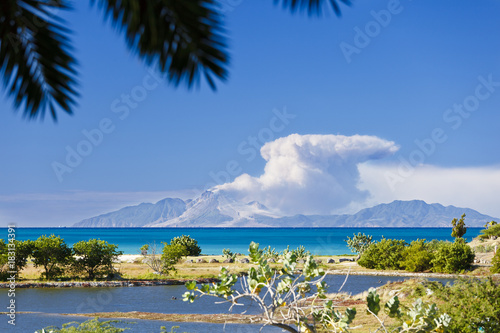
x: 398, y: 87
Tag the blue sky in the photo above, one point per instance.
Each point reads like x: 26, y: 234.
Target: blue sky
x: 400, y: 85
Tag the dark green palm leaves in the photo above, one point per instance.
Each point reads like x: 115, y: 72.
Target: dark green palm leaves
x: 183, y: 39
x: 35, y: 62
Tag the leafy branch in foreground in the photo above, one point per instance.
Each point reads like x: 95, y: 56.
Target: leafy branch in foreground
x: 294, y: 300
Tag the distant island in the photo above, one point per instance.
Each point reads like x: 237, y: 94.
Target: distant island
x: 216, y: 209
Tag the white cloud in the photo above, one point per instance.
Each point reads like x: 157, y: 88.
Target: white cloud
x: 471, y: 187
x: 311, y: 174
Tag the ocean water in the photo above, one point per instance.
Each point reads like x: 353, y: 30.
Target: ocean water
x: 320, y: 241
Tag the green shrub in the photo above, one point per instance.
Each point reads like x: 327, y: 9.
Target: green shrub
x: 473, y: 304
x: 453, y: 257
x: 89, y: 326
x: 269, y: 253
x: 172, y: 253
x: 496, y: 263
x: 229, y: 254
x: 417, y: 256
x: 191, y: 245
x: 386, y: 254
x: 493, y: 230
x: 95, y: 257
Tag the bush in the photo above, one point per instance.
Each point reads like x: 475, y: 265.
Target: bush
x: 496, y: 263
x: 386, y: 254
x: 493, y: 230
x: 473, y: 304
x: 417, y: 256
x: 229, y: 254
x: 190, y: 244
x: 92, y: 325
x: 453, y: 257
x: 172, y: 253
x: 95, y: 257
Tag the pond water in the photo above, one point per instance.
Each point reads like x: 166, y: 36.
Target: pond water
x: 50, y: 303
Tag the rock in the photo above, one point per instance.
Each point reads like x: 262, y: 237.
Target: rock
x: 228, y: 261
x: 344, y: 259
x: 238, y: 254
x: 244, y: 261
x: 271, y: 260
x: 201, y: 261
x: 318, y: 261
x: 212, y: 261
x: 189, y: 261
x: 301, y: 261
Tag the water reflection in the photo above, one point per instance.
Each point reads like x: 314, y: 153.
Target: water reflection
x: 160, y: 299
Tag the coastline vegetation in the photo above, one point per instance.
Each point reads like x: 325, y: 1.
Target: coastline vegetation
x: 422, y: 306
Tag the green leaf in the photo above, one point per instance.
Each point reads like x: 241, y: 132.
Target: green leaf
x: 392, y: 307
x: 373, y: 301
x: 191, y: 285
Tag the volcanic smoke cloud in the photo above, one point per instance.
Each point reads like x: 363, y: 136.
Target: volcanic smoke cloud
x: 310, y: 174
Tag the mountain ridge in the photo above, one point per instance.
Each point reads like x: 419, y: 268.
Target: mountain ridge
x: 217, y: 209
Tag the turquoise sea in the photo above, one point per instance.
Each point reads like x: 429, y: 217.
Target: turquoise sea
x: 320, y: 241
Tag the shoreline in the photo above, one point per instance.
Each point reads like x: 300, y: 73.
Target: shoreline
x: 100, y: 284
x: 167, y: 282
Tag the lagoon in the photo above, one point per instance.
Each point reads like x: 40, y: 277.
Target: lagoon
x: 49, y: 303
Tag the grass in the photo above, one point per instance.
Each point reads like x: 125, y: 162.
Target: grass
x: 139, y: 271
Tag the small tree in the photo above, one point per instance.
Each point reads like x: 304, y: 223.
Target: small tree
x: 144, y: 249
x: 52, y: 254
x: 152, y: 257
x: 19, y: 251
x: 95, y: 257
x: 172, y: 253
x: 492, y: 231
x: 459, y: 228
x: 190, y: 244
x: 490, y: 224
x: 359, y: 243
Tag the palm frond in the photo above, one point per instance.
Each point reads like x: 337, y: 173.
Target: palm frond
x: 36, y: 66
x: 312, y: 7
x: 184, y: 38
